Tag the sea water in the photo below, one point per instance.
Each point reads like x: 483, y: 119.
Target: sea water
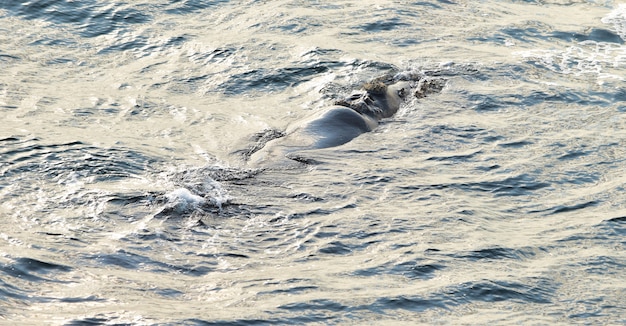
x: 499, y: 200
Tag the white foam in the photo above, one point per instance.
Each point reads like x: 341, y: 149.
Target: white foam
x: 219, y: 195
x: 617, y: 18
x: 182, y: 200
x: 587, y: 57
x: 603, y: 59
x: 182, y: 194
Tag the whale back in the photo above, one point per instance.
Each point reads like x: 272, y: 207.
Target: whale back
x: 332, y: 127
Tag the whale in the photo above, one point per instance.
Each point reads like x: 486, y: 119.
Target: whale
x: 340, y: 123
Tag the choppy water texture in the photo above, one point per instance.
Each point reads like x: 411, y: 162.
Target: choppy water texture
x: 499, y: 200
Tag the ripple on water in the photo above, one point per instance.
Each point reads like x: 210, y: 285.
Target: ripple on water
x: 59, y: 161
x: 264, y: 80
x: 498, y: 253
x: 615, y: 227
x: 416, y: 269
x: 90, y: 17
x: 134, y: 261
x: 27, y: 165
x: 22, y: 277
x: 494, y: 291
x: 33, y: 269
x: 178, y: 7
x: 535, y: 32
x: 508, y: 186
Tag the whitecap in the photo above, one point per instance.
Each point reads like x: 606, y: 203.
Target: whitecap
x: 182, y: 200
x: 617, y: 18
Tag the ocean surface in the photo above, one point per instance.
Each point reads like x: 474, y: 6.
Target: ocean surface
x: 123, y: 200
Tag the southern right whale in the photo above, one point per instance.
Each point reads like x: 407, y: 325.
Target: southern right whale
x: 345, y: 120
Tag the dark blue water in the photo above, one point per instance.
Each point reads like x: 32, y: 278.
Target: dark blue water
x: 125, y: 198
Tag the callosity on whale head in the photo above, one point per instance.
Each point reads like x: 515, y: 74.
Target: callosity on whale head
x: 379, y: 100
x: 395, y: 95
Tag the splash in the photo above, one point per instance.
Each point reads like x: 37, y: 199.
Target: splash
x: 199, y: 189
x: 182, y: 200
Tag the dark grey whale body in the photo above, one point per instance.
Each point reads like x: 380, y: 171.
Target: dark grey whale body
x: 338, y: 124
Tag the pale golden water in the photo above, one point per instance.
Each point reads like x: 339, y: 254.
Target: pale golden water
x: 498, y: 201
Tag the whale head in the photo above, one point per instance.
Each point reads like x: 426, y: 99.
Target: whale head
x: 382, y: 100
